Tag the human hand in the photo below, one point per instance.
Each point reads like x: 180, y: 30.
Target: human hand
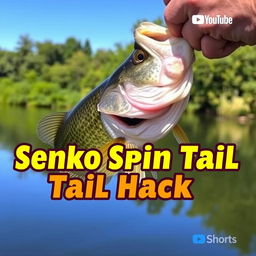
x: 215, y: 40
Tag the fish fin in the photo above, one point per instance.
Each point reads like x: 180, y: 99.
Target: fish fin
x: 137, y: 167
x: 104, y: 151
x: 48, y: 127
x: 179, y: 134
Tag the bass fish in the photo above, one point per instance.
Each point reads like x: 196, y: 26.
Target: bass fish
x: 139, y: 103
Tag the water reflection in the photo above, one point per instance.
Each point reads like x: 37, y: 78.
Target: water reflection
x: 18, y: 125
x: 226, y: 202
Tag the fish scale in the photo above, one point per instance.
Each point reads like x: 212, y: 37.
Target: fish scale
x: 83, y: 125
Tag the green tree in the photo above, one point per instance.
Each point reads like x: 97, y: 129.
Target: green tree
x: 9, y: 63
x: 25, y: 45
x: 51, y: 52
x: 70, y: 47
x: 87, y: 48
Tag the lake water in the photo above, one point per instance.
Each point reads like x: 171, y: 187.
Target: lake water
x: 224, y: 204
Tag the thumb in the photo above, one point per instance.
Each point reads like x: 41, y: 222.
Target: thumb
x: 213, y: 48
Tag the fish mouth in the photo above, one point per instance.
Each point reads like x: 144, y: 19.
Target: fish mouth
x: 131, y: 122
x: 140, y: 130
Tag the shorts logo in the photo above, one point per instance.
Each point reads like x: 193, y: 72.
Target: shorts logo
x: 198, y: 239
x: 213, y: 239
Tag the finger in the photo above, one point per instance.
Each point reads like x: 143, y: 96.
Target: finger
x: 176, y: 12
x: 213, y: 48
x: 175, y: 30
x: 175, y: 16
x: 166, y: 1
x: 193, y: 34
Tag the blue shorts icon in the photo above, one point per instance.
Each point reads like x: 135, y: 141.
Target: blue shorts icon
x: 198, y: 239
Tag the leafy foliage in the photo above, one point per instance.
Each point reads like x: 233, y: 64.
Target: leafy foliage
x: 221, y: 84
x: 46, y: 74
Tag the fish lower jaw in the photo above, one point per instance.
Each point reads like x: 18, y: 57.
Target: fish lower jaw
x: 131, y: 129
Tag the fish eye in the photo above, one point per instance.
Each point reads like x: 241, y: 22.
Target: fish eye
x: 139, y: 56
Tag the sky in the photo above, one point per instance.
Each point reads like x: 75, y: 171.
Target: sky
x: 103, y: 22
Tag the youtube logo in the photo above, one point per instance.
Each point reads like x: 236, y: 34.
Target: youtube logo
x: 198, y: 19
x: 207, y: 19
